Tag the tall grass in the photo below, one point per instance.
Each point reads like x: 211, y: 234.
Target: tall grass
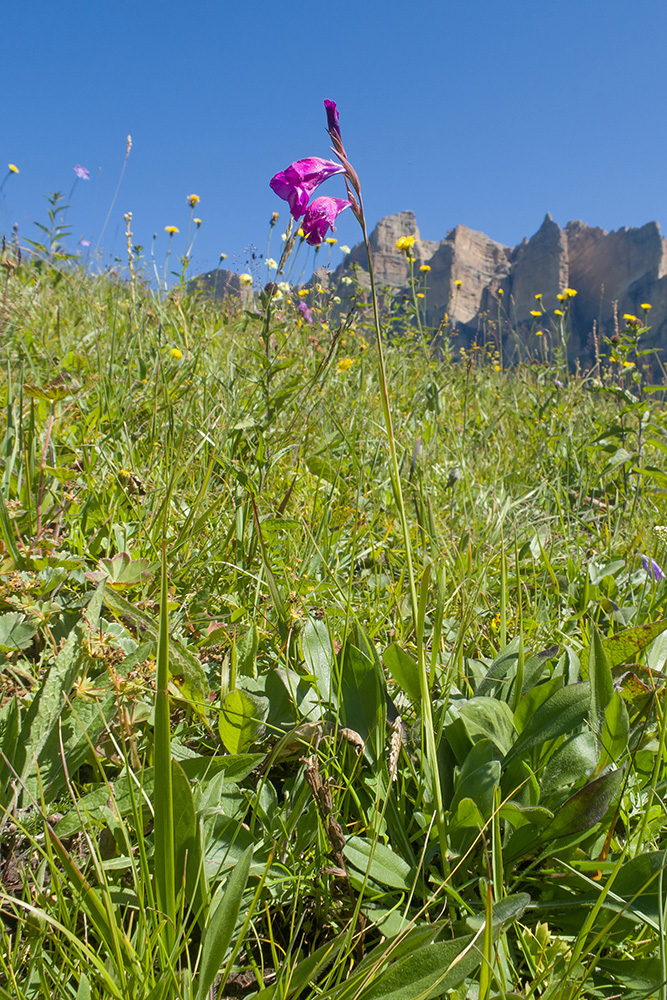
x: 215, y: 673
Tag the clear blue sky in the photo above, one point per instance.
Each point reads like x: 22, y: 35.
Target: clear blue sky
x: 486, y: 113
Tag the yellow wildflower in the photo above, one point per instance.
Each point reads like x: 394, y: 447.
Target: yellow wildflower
x: 301, y: 233
x: 631, y: 320
x: 538, y: 296
x: 646, y: 306
x: 330, y: 240
x: 559, y: 312
x: 535, y: 312
x: 271, y: 263
x: 458, y: 283
x: 500, y: 295
x: 570, y: 292
x: 425, y: 268
x: 274, y: 218
x: 561, y: 296
x: 175, y: 353
x: 13, y: 169
x: 172, y: 230
x: 345, y: 364
x: 193, y: 199
x: 405, y: 244
x: 343, y: 248
x: 303, y: 292
x: 197, y: 222
x: 245, y: 279
x: 222, y: 257
x: 420, y: 295
x: 538, y: 333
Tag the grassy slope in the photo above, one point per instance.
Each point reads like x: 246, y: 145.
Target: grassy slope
x: 265, y: 472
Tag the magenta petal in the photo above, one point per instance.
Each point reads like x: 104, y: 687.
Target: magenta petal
x: 320, y: 217
x: 297, y: 182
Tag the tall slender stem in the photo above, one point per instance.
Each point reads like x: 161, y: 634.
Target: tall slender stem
x: 427, y: 714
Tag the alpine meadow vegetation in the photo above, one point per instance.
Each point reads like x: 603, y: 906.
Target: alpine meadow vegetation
x: 332, y: 649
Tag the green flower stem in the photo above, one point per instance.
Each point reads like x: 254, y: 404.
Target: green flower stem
x: 427, y: 714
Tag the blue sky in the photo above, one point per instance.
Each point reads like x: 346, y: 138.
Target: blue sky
x: 485, y: 113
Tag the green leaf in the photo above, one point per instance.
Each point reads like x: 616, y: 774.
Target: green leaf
x: 491, y: 718
x: 386, y: 867
x: 428, y: 972
x: 602, y: 684
x: 220, y: 929
x: 403, y: 668
x: 363, y: 698
x: 615, y: 732
x: 246, y: 651
x: 318, y: 656
x: 187, y: 845
x: 586, y: 807
x: 241, y: 719
x: 559, y: 714
x: 572, y: 762
x: 15, y: 632
x: 121, y: 571
x: 625, y: 646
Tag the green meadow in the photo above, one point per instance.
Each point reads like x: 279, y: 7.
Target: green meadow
x: 325, y: 673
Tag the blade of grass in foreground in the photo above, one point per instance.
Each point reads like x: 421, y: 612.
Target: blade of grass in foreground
x: 163, y: 807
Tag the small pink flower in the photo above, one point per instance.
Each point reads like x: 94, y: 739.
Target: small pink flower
x: 320, y: 217
x: 297, y: 182
x: 81, y: 172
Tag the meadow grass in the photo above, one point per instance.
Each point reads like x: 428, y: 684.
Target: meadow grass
x: 214, y: 771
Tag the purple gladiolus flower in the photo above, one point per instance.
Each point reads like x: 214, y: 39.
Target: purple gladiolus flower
x: 305, y: 311
x: 652, y: 569
x: 81, y: 172
x: 333, y: 128
x: 320, y: 216
x: 297, y: 182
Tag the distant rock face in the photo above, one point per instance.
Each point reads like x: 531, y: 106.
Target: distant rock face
x: 613, y: 273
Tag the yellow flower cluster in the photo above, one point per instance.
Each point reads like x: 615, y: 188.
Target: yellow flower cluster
x: 631, y: 320
x: 175, y: 353
x: 193, y: 199
x: 345, y: 364
x: 245, y: 279
x: 405, y: 244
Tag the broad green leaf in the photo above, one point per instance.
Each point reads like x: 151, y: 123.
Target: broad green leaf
x: 241, y: 719
x: 245, y: 651
x: 638, y: 883
x: 601, y: 682
x: 560, y: 714
x: 505, y: 662
x: 571, y: 763
x: 318, y: 656
x: 490, y: 718
x: 586, y: 807
x: 363, y: 693
x: 220, y: 929
x: 386, y: 866
x: 625, y: 646
x: 121, y: 571
x: 428, y: 972
x: 403, y: 668
x: 15, y: 632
